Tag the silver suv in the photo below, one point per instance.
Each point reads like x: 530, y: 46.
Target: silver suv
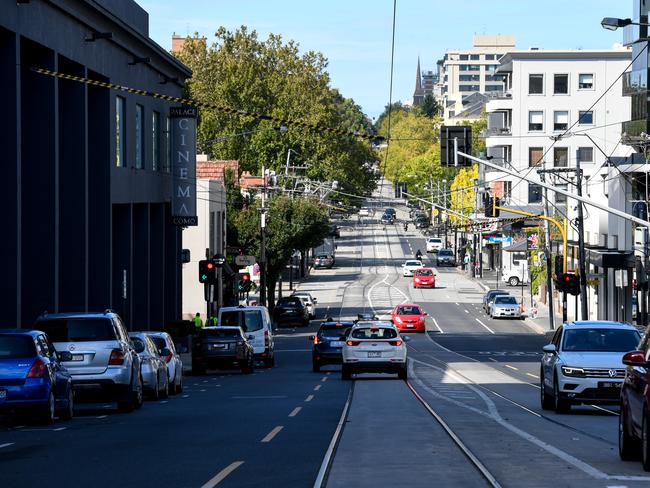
x: 103, y: 357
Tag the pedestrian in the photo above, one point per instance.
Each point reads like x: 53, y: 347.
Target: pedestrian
x: 466, y: 260
x: 212, y: 322
x: 198, y: 322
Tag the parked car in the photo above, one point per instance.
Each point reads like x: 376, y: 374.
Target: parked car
x: 32, y: 379
x: 155, y: 379
x: 584, y: 364
x: 408, y: 317
x: 167, y: 350
x: 222, y: 347
x: 424, y: 278
x: 488, y: 298
x: 422, y: 223
x: 308, y: 300
x: 514, y: 276
x: 445, y: 257
x: 324, y: 261
x: 103, y: 360
x: 505, y: 306
x: 290, y: 311
x: 434, y: 244
x: 410, y: 266
x: 390, y: 211
x: 327, y: 343
x: 254, y: 321
x: 388, y: 219
x: 375, y: 347
x: 412, y: 204
x: 364, y: 212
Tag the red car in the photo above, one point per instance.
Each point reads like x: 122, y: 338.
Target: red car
x: 408, y: 317
x: 424, y: 278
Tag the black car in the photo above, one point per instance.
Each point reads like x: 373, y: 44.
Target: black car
x: 422, y: 223
x: 222, y: 347
x: 388, y: 218
x: 445, y: 257
x: 290, y: 311
x: 327, y: 343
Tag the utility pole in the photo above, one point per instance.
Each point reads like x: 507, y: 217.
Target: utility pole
x: 444, y: 189
x: 262, y: 262
x: 582, y: 259
x: 549, y: 260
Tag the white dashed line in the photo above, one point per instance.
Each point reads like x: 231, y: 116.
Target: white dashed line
x: 295, y: 411
x: 309, y: 398
x: 269, y: 437
x: 511, y: 367
x: 6, y: 445
x: 102, y: 417
x: 533, y: 375
x: 489, y: 330
x: 317, y: 387
x: 221, y: 475
x: 324, y: 379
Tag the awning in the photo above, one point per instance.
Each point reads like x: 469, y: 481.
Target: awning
x: 519, y: 246
x: 610, y: 258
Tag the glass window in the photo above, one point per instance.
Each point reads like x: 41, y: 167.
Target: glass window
x: 221, y: 333
x: 560, y: 120
x: 534, y: 193
x: 464, y: 57
x: 586, y: 81
x: 155, y: 141
x: 559, y: 198
x: 139, y: 136
x: 506, y: 300
x: 535, y: 84
x: 409, y: 310
x: 159, y: 342
x: 561, y: 84
x: 586, y: 117
x: 469, y: 88
x: 600, y: 340
x: 374, y: 333
x: 490, y: 57
x: 560, y: 157
x: 469, y: 77
x: 535, y: 120
x: 78, y: 330
x: 586, y: 154
x: 138, y: 344
x: 16, y: 347
x: 507, y: 189
x: 535, y: 155
x: 120, y: 130
x: 475, y: 57
x: 493, y: 88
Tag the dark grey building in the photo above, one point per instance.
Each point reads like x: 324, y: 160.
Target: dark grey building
x: 86, y: 169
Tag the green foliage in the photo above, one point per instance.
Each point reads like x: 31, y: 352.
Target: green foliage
x: 463, y: 193
x: 382, y: 120
x: 430, y: 107
x: 538, y: 276
x: 478, y: 133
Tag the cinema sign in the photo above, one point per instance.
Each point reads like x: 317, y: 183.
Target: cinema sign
x: 183, y: 153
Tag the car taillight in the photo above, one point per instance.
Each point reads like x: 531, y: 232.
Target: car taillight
x: 317, y: 340
x: 267, y: 339
x: 38, y: 369
x: 353, y: 343
x: 169, y: 357
x: 395, y: 343
x: 117, y: 358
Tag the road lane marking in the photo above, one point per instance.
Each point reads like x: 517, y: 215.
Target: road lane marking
x: 269, y: 437
x: 511, y: 367
x: 533, y: 375
x: 163, y: 402
x: 435, y: 322
x: 295, y: 411
x: 221, y: 475
x: 186, y: 396
x: 458, y: 304
x: 328, y: 373
x: 6, y: 445
x: 490, y: 330
x: 324, y: 379
x: 258, y: 397
x: 317, y: 387
x: 466, y: 311
x: 309, y: 398
x: 102, y: 416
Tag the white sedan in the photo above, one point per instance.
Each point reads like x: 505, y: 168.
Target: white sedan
x: 374, y: 347
x: 410, y: 266
x: 308, y: 301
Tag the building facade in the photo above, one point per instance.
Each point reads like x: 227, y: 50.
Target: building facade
x: 558, y: 107
x: 88, y: 168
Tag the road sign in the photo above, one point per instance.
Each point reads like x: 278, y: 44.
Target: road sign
x: 245, y: 260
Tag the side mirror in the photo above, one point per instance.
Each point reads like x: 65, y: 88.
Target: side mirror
x: 549, y: 348
x: 635, y: 358
x: 64, y: 356
x: 425, y: 313
x: 315, y: 300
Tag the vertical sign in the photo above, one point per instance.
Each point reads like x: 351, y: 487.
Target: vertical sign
x: 183, y: 154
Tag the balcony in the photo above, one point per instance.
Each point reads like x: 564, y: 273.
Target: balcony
x: 500, y: 95
x: 498, y: 131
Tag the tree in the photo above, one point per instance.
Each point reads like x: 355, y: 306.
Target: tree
x: 463, y: 194
x: 430, y: 106
x: 394, y: 108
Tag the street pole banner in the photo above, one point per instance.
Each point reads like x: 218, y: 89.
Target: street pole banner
x: 183, y: 154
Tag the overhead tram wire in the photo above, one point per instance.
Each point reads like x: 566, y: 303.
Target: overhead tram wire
x: 390, y: 94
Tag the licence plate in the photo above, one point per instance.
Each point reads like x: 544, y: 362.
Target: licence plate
x: 3, y: 395
x: 409, y: 325
x: 77, y: 357
x: 609, y: 384
x: 336, y: 344
x: 374, y: 354
x: 218, y: 346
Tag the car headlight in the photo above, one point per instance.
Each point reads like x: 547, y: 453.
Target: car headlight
x: 570, y: 371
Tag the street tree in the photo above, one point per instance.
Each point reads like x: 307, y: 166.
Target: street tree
x: 463, y: 194
x: 430, y: 106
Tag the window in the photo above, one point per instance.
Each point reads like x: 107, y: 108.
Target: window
x: 561, y: 84
x: 120, y: 130
x: 535, y: 155
x: 600, y: 340
x: 139, y: 136
x: 469, y: 67
x: 475, y: 57
x: 586, y: 154
x: 374, y: 333
x: 535, y: 120
x: 559, y: 198
x: 78, y: 330
x: 464, y: 57
x: 586, y: 117
x: 491, y: 88
x: 490, y: 57
x: 491, y: 67
x: 560, y: 120
x: 469, y: 78
x: 586, y: 81
x: 560, y: 157
x: 534, y: 193
x: 493, y: 78
x: 155, y: 141
x: 507, y: 189
x: 469, y: 88
x: 535, y: 84
x: 168, y: 151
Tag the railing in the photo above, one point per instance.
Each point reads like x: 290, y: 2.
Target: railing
x: 498, y: 131
x: 500, y: 95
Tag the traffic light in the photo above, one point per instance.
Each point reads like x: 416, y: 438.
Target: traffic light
x: 491, y: 203
x: 558, y: 268
x: 207, y: 271
x: 245, y: 284
x: 569, y: 283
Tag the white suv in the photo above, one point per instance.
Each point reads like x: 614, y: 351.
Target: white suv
x: 374, y: 347
x: 434, y: 244
x: 584, y: 364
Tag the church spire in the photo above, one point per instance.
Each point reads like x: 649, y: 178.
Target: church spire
x: 418, y: 94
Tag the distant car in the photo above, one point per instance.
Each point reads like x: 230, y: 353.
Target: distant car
x: 308, y: 300
x: 513, y: 276
x: 375, y: 347
x: 366, y: 316
x: 388, y: 218
x: 584, y: 364
x: 290, y: 311
x: 255, y: 321
x: 155, y: 377
x: 390, y: 211
x: 505, y: 306
x: 364, y: 212
x: 434, y: 244
x: 488, y: 298
x: 324, y: 261
x: 445, y: 257
x: 408, y: 317
x: 222, y: 347
x: 422, y: 223
x: 410, y: 266
x: 32, y: 379
x: 412, y: 204
x: 424, y: 278
x: 328, y: 342
x: 167, y: 351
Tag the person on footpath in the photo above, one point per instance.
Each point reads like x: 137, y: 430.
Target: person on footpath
x: 198, y: 322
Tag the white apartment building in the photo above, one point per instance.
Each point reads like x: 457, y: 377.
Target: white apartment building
x: 553, y: 93
x: 464, y: 73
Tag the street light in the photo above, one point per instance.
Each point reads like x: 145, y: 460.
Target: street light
x: 612, y: 23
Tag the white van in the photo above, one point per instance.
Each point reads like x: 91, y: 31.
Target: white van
x: 515, y: 273
x: 254, y: 321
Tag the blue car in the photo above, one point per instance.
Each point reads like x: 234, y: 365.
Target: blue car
x: 32, y: 380
x: 328, y: 343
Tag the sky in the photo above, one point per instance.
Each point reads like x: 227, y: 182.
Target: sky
x: 355, y: 35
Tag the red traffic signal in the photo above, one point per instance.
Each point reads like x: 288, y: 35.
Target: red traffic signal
x: 569, y: 283
x: 246, y: 277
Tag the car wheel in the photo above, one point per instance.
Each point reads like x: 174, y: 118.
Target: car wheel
x: 164, y: 393
x: 546, y: 399
x: 628, y: 445
x: 645, y: 448
x: 403, y: 373
x: 346, y: 374
x: 49, y: 410
x: 513, y: 281
x: 315, y: 366
x: 561, y: 405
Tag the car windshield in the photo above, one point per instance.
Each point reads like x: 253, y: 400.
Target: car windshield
x: 16, y: 346
x: 374, y: 333
x: 408, y: 310
x: 78, y: 330
x: 505, y: 300
x: 322, y: 256
x: 138, y: 344
x: 424, y: 272
x: 493, y: 293
x: 435, y: 241
x: 221, y: 333
x: 248, y: 320
x: 445, y: 252
x: 413, y: 263
x: 290, y: 303
x: 600, y: 340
